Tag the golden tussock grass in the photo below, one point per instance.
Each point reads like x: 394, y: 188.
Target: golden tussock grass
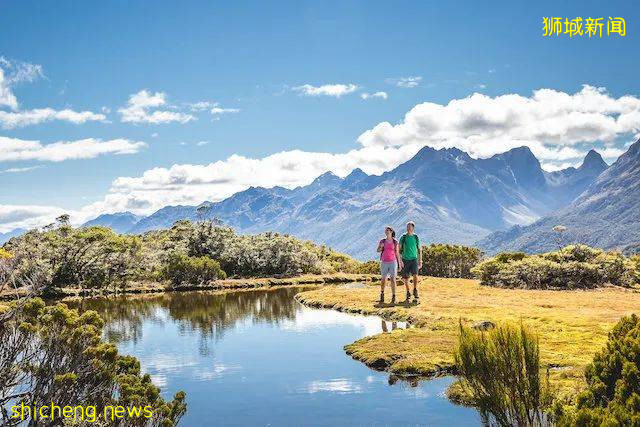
x: 571, y: 325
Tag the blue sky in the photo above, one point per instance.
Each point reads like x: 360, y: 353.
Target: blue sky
x: 250, y: 62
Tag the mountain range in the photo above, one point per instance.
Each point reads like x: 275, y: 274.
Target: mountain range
x: 451, y: 196
x: 606, y: 215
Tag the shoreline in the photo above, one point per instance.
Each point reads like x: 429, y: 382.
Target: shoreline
x: 150, y: 287
x: 572, y: 325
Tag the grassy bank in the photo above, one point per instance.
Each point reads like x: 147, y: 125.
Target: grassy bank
x: 227, y: 284
x: 572, y: 325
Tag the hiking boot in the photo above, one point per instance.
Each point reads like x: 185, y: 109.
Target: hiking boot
x: 415, y: 293
x: 381, y: 298
x: 408, y: 297
x: 393, y: 299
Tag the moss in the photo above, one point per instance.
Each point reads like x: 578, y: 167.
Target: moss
x: 572, y: 325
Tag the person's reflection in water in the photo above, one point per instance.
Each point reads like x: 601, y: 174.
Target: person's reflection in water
x: 385, y: 327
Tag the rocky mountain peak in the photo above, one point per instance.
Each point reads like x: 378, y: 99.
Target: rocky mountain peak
x: 593, y: 161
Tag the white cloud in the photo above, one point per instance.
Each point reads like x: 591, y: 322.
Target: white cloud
x: 201, y: 143
x: 552, y: 123
x: 13, y: 149
x: 12, y: 73
x: 11, y: 120
x: 201, y: 105
x: 18, y: 170
x: 406, y: 82
x: 219, y: 110
x: 191, y: 184
x: 381, y: 95
x: 335, y: 90
x: 15, y: 72
x: 142, y: 107
x: 26, y: 216
x: 558, y: 127
x: 7, y: 98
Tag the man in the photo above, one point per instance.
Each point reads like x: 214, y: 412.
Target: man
x: 411, y: 258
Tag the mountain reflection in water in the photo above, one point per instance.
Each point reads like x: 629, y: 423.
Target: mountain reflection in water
x: 259, y: 357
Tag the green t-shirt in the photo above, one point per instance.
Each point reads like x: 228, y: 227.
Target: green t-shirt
x: 410, y: 244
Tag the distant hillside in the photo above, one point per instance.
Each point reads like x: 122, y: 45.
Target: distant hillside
x: 4, y: 237
x: 451, y: 196
x: 120, y: 222
x: 606, y: 215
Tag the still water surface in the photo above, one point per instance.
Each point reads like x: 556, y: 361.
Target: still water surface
x: 257, y: 358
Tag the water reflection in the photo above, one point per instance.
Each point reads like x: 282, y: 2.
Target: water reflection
x: 259, y: 357
x: 209, y: 314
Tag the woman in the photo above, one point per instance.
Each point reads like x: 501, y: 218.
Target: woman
x: 389, y: 262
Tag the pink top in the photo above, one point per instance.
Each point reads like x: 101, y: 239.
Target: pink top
x: 389, y: 251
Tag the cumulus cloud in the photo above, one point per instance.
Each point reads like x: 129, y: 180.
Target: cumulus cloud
x: 13, y: 149
x: 190, y: 183
x: 559, y: 128
x: 552, y: 123
x: 405, y: 82
x: 381, y: 95
x: 26, y: 216
x: 144, y: 107
x: 335, y: 90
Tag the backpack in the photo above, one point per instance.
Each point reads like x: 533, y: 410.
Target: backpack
x: 395, y: 246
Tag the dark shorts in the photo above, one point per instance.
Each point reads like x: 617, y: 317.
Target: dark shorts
x: 410, y: 267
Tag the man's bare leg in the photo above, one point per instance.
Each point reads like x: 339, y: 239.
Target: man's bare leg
x: 415, y: 286
x: 406, y: 286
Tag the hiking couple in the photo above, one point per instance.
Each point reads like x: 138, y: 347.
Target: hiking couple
x: 405, y: 255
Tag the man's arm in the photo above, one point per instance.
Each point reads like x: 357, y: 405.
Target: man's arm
x: 419, y: 253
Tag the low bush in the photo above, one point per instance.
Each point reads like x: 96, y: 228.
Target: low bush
x: 612, y: 396
x: 51, y: 353
x: 500, y: 371
x: 573, y: 267
x: 181, y: 269
x: 443, y: 260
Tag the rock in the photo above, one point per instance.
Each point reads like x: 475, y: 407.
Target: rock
x: 484, y: 325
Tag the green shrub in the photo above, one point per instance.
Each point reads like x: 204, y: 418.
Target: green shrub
x: 573, y: 267
x: 51, y: 353
x: 443, y: 260
x: 500, y: 371
x: 91, y: 257
x: 612, y: 396
x: 510, y: 256
x: 369, y: 267
x: 180, y: 269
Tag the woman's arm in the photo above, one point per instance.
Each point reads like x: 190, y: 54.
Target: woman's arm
x: 400, y: 263
x: 380, y: 247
